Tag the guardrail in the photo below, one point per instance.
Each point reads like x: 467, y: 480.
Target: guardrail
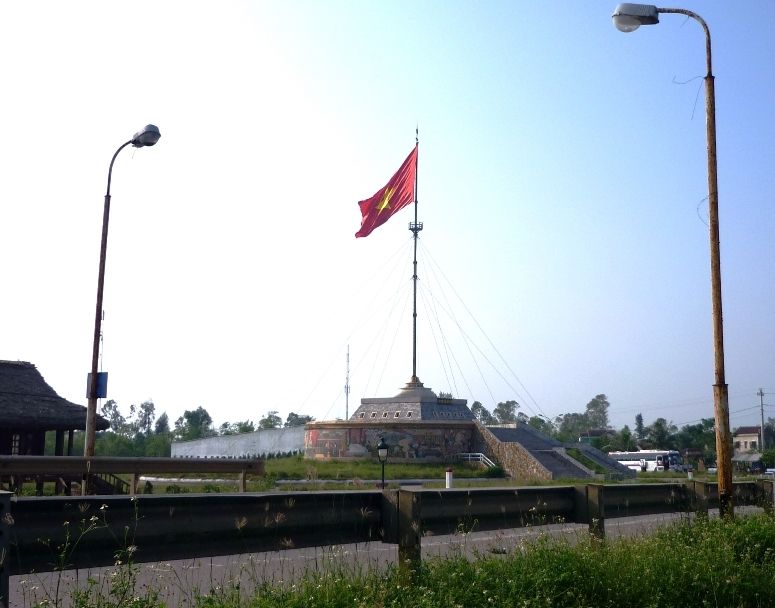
x: 72, y: 467
x: 165, y: 527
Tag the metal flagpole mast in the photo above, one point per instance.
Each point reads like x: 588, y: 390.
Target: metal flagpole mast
x: 347, y: 388
x: 415, y: 227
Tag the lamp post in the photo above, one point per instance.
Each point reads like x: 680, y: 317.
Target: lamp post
x: 147, y: 136
x: 627, y: 18
x: 382, y: 453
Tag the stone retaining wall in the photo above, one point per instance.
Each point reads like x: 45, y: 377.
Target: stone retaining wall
x: 515, y: 460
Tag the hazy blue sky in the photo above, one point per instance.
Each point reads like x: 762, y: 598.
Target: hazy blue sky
x: 562, y: 184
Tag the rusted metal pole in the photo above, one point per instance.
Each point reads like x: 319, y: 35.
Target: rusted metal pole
x: 91, y: 407
x: 720, y: 389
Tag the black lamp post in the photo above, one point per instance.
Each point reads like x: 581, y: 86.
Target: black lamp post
x: 382, y: 454
x: 147, y: 136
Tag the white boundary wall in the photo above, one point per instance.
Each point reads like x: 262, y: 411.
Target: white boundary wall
x: 262, y: 442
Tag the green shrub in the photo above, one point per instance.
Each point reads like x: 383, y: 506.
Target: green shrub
x: 700, y: 564
x: 176, y: 489
x: 493, y: 472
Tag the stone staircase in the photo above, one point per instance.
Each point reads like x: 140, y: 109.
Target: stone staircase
x: 525, y: 453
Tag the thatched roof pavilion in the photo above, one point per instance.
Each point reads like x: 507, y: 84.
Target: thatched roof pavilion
x: 29, y: 407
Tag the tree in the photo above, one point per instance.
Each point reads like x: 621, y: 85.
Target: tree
x: 159, y: 445
x: 700, y: 436
x: 571, y: 426
x: 236, y: 428
x: 597, y: 412
x: 506, y: 412
x: 111, y: 411
x: 245, y: 426
x: 114, y: 444
x: 270, y: 421
x: 162, y: 426
x: 297, y: 420
x: 661, y: 434
x: 133, y: 435
x: 482, y: 414
x: 145, y: 416
x: 623, y: 441
x: 769, y: 433
x: 194, y: 424
x: 542, y: 425
x: 640, y: 430
x: 768, y: 457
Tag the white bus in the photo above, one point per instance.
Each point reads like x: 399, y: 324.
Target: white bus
x: 650, y: 460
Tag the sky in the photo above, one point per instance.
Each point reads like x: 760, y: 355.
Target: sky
x: 562, y: 185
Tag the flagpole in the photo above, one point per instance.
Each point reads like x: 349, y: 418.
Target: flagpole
x: 415, y: 227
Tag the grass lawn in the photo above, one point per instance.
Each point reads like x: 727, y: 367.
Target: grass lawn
x: 296, y: 467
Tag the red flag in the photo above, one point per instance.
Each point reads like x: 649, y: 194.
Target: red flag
x: 396, y: 195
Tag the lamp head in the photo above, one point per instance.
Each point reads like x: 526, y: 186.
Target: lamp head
x: 629, y: 17
x: 147, y: 136
x: 382, y: 449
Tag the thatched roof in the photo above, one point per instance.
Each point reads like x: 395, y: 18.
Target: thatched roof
x: 28, y: 403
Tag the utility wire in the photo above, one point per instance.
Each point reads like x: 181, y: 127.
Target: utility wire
x: 492, y: 345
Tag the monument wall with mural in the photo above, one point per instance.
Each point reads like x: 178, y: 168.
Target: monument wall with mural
x: 438, y: 441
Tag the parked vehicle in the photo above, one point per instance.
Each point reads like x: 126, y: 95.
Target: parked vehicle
x: 651, y: 460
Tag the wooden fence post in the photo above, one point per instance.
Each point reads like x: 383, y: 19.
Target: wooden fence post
x: 409, y: 533
x: 765, y: 487
x: 580, y: 506
x: 700, y: 490
x: 5, y: 547
x: 389, y: 516
x: 596, y: 510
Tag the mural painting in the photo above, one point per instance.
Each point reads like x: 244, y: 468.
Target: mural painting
x: 407, y: 443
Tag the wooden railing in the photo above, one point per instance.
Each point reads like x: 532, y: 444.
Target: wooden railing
x: 115, y: 482
x: 17, y: 469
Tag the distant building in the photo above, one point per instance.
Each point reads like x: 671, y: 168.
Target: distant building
x: 746, y: 439
x: 416, y: 424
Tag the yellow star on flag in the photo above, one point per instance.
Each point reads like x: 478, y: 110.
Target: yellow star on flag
x: 385, y: 202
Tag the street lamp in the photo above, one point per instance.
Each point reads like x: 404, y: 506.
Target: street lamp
x: 382, y: 454
x: 148, y: 136
x: 627, y: 18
